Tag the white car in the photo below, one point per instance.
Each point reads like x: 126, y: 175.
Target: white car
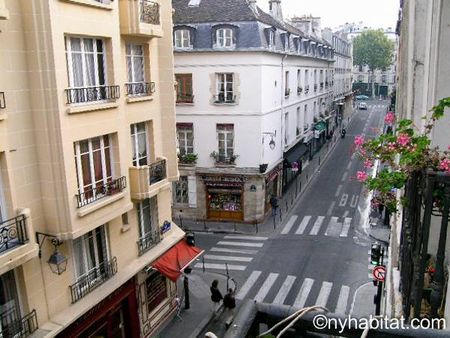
x: 362, y: 105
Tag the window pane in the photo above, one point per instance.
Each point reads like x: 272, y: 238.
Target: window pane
x: 88, y: 45
x: 86, y: 170
x: 98, y: 166
x: 75, y: 44
x: 90, y: 69
x: 108, y: 162
x: 77, y: 69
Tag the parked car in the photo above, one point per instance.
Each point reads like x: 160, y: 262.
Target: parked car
x: 362, y: 105
x: 361, y: 97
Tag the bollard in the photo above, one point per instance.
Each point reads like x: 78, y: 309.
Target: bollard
x: 281, y: 218
x: 204, y: 224
x: 274, y: 222
x: 181, y: 222
x: 286, y: 205
x: 319, y: 160
x: 256, y: 226
x: 203, y: 261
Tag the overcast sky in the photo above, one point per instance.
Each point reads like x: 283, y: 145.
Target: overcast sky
x: 373, y: 13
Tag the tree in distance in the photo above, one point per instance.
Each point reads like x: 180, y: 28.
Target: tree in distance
x: 373, y: 48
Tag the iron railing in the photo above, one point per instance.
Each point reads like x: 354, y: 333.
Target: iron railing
x: 185, y: 98
x: 140, y: 88
x: 90, y: 195
x: 13, y: 325
x: 299, y: 90
x: 148, y: 241
x: 2, y: 100
x: 428, y: 194
x: 306, y: 89
x: 150, y: 12
x: 92, y: 94
x: 157, y: 171
x: 222, y: 98
x: 93, y: 279
x: 13, y: 233
x: 315, y: 87
x: 321, y: 85
x: 287, y: 92
x: 222, y: 159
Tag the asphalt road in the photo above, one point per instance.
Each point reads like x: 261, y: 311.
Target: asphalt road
x: 319, y: 254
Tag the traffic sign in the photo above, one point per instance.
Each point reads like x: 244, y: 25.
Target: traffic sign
x: 379, y: 273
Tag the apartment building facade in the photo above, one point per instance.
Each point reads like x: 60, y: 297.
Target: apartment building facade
x: 87, y: 159
x: 252, y: 106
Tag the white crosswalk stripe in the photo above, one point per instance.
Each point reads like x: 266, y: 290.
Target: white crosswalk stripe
x: 248, y: 238
x: 303, y: 225
x: 255, y: 245
x: 220, y: 266
x: 239, y: 251
x: 346, y: 227
x: 265, y: 288
x: 324, y: 293
x: 289, y: 225
x: 341, y: 306
x: 229, y: 258
x: 334, y: 227
x: 251, y: 280
x: 317, y: 225
x: 284, y: 290
x: 303, y: 293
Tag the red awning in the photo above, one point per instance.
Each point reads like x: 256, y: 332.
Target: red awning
x: 173, y: 261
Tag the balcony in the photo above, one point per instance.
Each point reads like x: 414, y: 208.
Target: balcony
x: 14, y: 325
x: 224, y: 99
x: 91, y: 195
x: 144, y: 180
x: 92, y: 94
x: 93, y: 279
x: 140, y: 88
x: 13, y: 233
x: 321, y: 85
x: 185, y: 98
x: 2, y: 100
x: 315, y: 87
x: 306, y: 89
x: 148, y: 241
x: 221, y: 159
x: 141, y: 18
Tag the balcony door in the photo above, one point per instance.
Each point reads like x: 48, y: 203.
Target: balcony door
x: 3, y: 216
x: 10, y: 318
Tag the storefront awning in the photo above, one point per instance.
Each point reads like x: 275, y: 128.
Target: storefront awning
x: 176, y: 259
x: 295, y: 154
x: 320, y: 126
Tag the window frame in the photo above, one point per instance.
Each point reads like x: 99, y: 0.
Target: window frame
x: 226, y: 130
x: 221, y: 41
x: 130, y: 57
x: 185, y: 128
x: 134, y: 133
x: 152, y: 209
x: 184, y: 80
x: 182, y: 35
x: 181, y: 191
x: 225, y: 92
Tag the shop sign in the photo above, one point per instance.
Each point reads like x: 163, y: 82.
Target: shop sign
x: 165, y: 227
x: 224, y: 181
x: 294, y: 166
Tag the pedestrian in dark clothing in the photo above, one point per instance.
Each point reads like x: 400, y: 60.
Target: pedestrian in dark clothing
x: 229, y: 303
x: 216, y: 296
x: 274, y: 205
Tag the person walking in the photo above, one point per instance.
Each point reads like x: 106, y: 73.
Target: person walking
x: 274, y: 204
x: 229, y: 303
x: 216, y: 296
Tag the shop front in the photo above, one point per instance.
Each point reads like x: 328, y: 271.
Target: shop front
x: 319, y: 135
x: 115, y: 316
x: 293, y: 161
x: 225, y: 197
x: 272, y: 183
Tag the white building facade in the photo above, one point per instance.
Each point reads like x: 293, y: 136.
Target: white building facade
x: 253, y: 106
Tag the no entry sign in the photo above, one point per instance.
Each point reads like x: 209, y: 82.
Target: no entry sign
x: 379, y: 273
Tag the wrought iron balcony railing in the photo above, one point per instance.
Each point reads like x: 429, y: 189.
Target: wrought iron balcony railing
x: 92, y: 94
x: 94, y: 278
x: 2, y: 100
x: 315, y: 87
x: 157, y: 171
x: 13, y: 233
x: 90, y: 195
x: 222, y: 159
x: 222, y: 98
x: 140, y: 88
x: 287, y: 92
x: 306, y: 89
x: 148, y: 241
x: 150, y: 12
x: 14, y: 325
x: 185, y: 98
x: 299, y: 90
x: 321, y: 85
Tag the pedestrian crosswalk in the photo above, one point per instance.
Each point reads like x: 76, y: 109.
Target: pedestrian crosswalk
x: 317, y: 225
x: 233, y: 252
x: 270, y: 287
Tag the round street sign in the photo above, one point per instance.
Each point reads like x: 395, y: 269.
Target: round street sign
x: 379, y: 273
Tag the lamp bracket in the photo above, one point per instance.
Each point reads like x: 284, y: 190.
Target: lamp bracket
x: 40, y: 238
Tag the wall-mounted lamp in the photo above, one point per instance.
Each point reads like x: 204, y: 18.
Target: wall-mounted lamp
x: 56, y: 261
x: 272, y: 141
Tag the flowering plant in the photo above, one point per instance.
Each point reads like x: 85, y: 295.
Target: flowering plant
x: 400, y: 153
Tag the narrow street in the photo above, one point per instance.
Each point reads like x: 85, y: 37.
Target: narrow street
x: 319, y: 254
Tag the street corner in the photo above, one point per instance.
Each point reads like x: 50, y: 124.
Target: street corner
x: 361, y: 307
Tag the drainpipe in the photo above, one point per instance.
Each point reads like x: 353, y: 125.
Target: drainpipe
x: 282, y: 116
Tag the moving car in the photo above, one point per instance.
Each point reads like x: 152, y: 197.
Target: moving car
x: 362, y: 105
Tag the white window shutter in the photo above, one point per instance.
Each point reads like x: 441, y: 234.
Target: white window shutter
x: 192, y: 191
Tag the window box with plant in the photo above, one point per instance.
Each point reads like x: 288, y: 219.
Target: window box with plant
x: 220, y: 158
x: 187, y: 158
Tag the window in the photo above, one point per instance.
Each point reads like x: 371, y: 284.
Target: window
x: 181, y: 191
x: 147, y: 212
x: 225, y: 88
x: 185, y: 136
x: 306, y: 81
x: 136, y: 69
x: 86, y: 65
x: 287, y: 90
x: 305, y: 115
x: 299, y: 45
x: 225, y: 135
x: 286, y: 129
x: 184, y: 88
x: 91, y: 253
x: 139, y: 144
x: 299, y: 82
x: 271, y: 39
x: 182, y: 38
x: 10, y: 313
x: 224, y: 38
x: 93, y: 163
x: 286, y: 42
x: 298, y: 129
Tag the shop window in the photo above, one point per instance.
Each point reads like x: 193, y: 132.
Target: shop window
x: 181, y: 191
x: 225, y: 200
x: 225, y: 135
x: 185, y: 135
x: 156, y: 290
x: 184, y: 88
x: 139, y: 144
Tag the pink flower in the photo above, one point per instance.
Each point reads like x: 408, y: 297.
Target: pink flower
x: 403, y: 140
x: 389, y: 118
x: 391, y: 146
x: 368, y: 164
x: 361, y: 176
x: 445, y: 165
x: 359, y: 140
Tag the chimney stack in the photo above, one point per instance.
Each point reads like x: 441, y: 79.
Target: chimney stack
x: 275, y: 9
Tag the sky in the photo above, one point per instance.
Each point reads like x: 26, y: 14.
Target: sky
x: 333, y: 13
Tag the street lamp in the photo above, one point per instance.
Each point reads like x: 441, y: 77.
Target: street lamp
x: 272, y: 141
x: 56, y: 261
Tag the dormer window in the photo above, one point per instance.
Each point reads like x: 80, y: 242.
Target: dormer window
x: 224, y: 38
x: 286, y: 42
x: 298, y: 45
x: 182, y: 38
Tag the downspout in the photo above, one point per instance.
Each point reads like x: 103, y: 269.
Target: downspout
x: 282, y: 116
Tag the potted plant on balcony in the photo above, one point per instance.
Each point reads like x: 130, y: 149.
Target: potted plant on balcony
x: 187, y: 158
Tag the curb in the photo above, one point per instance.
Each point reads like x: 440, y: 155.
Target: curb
x: 205, y: 323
